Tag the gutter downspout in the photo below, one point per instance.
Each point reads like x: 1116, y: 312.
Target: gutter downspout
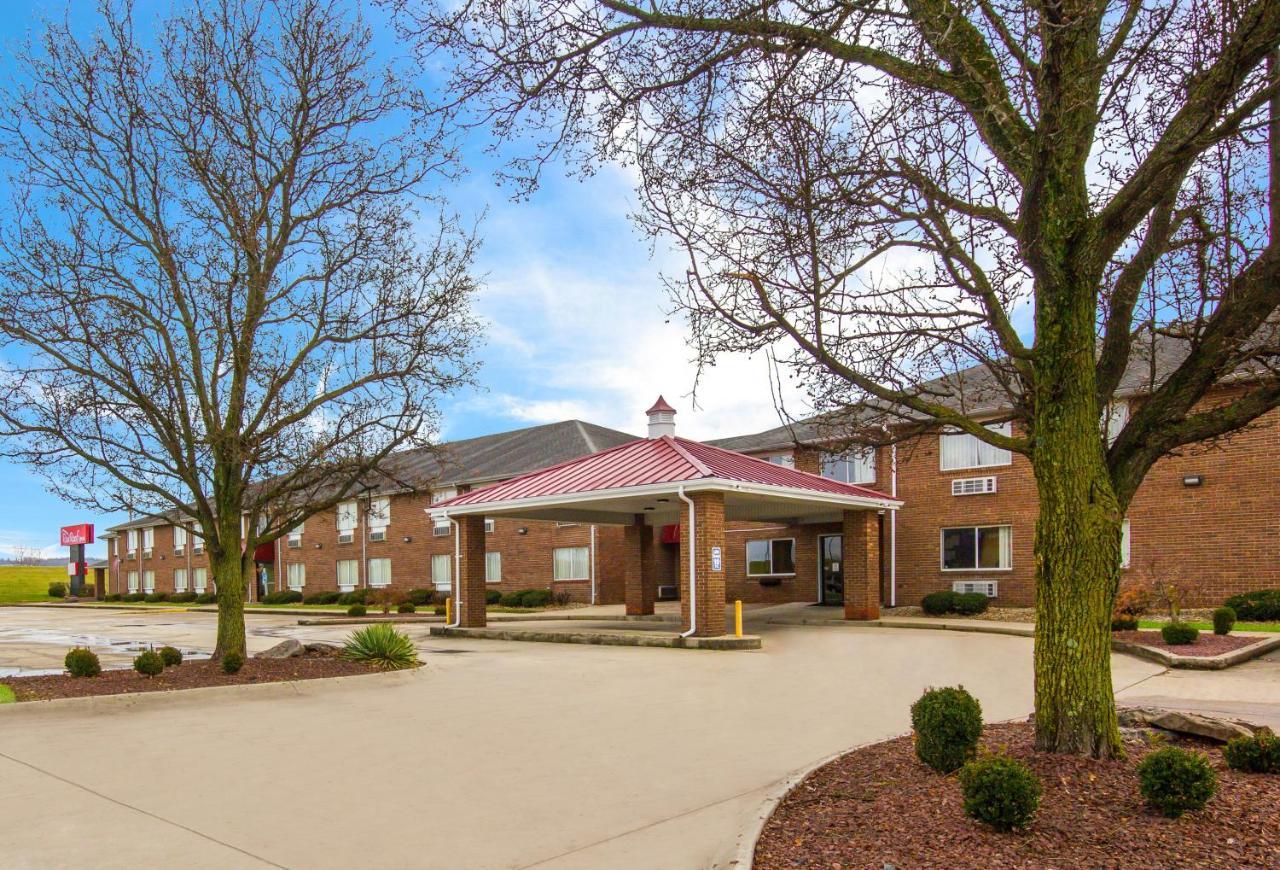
x: 364, y: 545
x: 693, y: 563
x: 893, y: 529
x: 455, y: 580
x: 593, y: 564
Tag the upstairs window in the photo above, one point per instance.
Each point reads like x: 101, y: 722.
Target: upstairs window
x: 179, y: 540
x: 131, y: 539
x: 771, y: 557
x: 786, y: 460
x: 148, y: 541
x: 294, y: 539
x: 962, y: 450
x: 379, y: 512
x: 443, y: 494
x: 1114, y: 419
x: 854, y: 466
x: 347, y: 514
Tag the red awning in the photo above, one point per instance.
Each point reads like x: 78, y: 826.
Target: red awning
x: 671, y: 534
x: 265, y: 553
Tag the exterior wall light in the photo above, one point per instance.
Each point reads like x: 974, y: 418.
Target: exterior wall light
x: 523, y: 530
x: 1193, y: 480
x: 319, y: 546
x: 408, y: 539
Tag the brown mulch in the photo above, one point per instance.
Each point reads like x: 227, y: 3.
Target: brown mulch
x: 188, y: 675
x: 1208, y: 644
x: 992, y: 614
x: 880, y: 806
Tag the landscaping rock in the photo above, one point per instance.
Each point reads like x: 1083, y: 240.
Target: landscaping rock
x: 285, y: 649
x: 1218, y: 728
x: 323, y: 647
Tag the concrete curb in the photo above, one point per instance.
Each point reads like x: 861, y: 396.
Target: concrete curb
x: 600, y: 639
x: 171, y: 697
x: 1198, y: 663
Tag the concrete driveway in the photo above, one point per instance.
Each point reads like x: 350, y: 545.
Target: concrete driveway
x: 496, y: 754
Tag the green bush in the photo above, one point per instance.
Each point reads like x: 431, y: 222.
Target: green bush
x: 232, y: 662
x: 1001, y: 792
x: 1179, y: 634
x: 111, y: 596
x: 148, y: 663
x: 938, y: 603
x: 329, y: 597
x: 82, y: 662
x: 381, y: 646
x: 283, y: 596
x: 133, y: 596
x: 439, y: 610
x: 492, y: 596
x: 1124, y: 623
x: 171, y: 656
x: 57, y: 589
x: 357, y: 610
x: 1257, y: 754
x: 535, y: 597
x: 1224, y: 619
x: 1261, y: 605
x: 971, y: 603
x: 512, y: 599
x: 1175, y: 780
x: 355, y: 596
x: 405, y: 607
x: 421, y: 597
x: 183, y: 597
x: 206, y: 598
x: 947, y: 724
x: 155, y: 597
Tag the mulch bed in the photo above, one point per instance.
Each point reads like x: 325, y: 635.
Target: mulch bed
x: 992, y: 614
x: 1208, y: 644
x: 880, y: 806
x: 188, y: 675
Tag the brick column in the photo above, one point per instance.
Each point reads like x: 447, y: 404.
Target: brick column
x: 638, y: 568
x: 709, y: 519
x: 470, y: 585
x: 861, y: 565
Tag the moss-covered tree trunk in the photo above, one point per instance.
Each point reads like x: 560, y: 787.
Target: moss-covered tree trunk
x: 231, y: 562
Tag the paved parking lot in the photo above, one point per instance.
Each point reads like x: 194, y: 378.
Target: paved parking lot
x: 493, y: 755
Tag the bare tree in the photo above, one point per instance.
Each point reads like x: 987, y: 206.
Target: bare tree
x: 217, y: 294
x: 1043, y: 196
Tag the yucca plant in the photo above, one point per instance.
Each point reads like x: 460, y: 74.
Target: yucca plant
x: 381, y: 646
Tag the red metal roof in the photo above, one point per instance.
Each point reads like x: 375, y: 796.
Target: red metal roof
x: 650, y: 461
x: 660, y: 405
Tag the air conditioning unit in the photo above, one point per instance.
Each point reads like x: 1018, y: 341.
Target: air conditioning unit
x: 293, y: 543
x: 984, y: 587
x: 378, y: 535
x: 345, y: 537
x: 146, y: 554
x: 198, y: 550
x: 440, y: 531
x: 179, y: 551
x: 668, y: 593
x: 973, y: 486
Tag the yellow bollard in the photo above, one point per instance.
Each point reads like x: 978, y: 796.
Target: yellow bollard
x: 737, y: 618
x: 448, y: 610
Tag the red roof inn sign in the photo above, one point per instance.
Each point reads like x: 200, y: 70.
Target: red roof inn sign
x: 77, y: 535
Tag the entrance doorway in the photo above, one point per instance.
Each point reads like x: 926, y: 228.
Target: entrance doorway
x: 831, y: 569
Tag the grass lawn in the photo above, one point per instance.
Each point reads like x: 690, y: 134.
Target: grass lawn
x: 1208, y: 626
x: 28, y: 582
x: 6, y: 694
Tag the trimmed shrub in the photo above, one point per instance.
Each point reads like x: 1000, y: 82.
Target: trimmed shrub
x: 357, y: 610
x: 971, y: 603
x: 422, y: 597
x: 57, y: 589
x: 232, y: 662
x: 492, y: 597
x: 381, y: 646
x: 207, y: 598
x: 1001, y: 792
x: 1175, y: 780
x: 947, y: 724
x: 1257, y: 754
x: 1179, y: 634
x: 512, y: 599
x: 535, y: 597
x: 439, y: 611
x: 322, y: 598
x: 1124, y: 623
x: 133, y: 596
x: 405, y: 607
x: 82, y: 662
x: 1224, y: 619
x: 1261, y: 604
x: 938, y: 603
x: 155, y: 597
x: 148, y: 663
x: 355, y: 596
x: 111, y: 596
x: 171, y: 656
x: 283, y: 596
x: 183, y: 597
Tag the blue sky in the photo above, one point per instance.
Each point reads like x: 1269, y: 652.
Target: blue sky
x: 578, y: 323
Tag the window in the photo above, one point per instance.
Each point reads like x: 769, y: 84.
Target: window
x: 348, y: 574
x: 133, y: 581
x: 570, y: 563
x: 347, y: 514
x: 148, y: 541
x: 294, y: 539
x: 296, y: 575
x: 784, y: 459
x: 180, y: 580
x: 379, y: 512
x: 200, y: 579
x: 776, y: 556
x: 977, y: 548
x: 379, y: 572
x: 493, y: 567
x: 488, y: 527
x: 962, y: 450
x: 855, y: 466
x: 131, y: 536
x: 439, y: 495
x: 148, y: 581
x: 441, y: 528
x: 441, y: 571
x: 1114, y: 419
x: 197, y: 544
x: 179, y: 540
x: 1125, y: 544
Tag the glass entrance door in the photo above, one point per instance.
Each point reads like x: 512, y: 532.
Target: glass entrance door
x: 831, y: 569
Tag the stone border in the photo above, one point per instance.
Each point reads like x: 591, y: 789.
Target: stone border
x: 726, y: 642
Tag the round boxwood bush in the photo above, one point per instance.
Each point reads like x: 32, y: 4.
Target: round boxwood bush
x: 1175, y: 780
x: 171, y: 656
x: 206, y: 598
x: 938, y: 603
x: 357, y: 610
x: 284, y: 596
x: 1224, y: 619
x: 947, y: 724
x: 182, y: 597
x: 232, y: 662
x: 535, y: 597
x: 1124, y: 623
x: 1179, y: 634
x: 492, y: 596
x: 1001, y: 792
x: 132, y: 597
x: 1261, y: 604
x: 111, y: 596
x: 405, y: 607
x: 57, y: 589
x: 971, y: 603
x: 511, y: 599
x: 1257, y: 754
x: 148, y: 663
x: 421, y: 597
x: 81, y: 662
x: 155, y: 597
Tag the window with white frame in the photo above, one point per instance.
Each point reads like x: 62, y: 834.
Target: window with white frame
x: 348, y: 514
x: 148, y: 541
x: 493, y: 567
x: 296, y: 575
x: 853, y: 466
x: 771, y: 557
x: 199, y: 579
x: 570, y: 563
x: 197, y: 543
x: 131, y: 536
x: 294, y: 539
x: 977, y: 548
x: 1114, y: 419
x: 443, y: 494
x: 442, y: 572
x: 133, y: 581
x: 179, y: 579
x: 179, y: 540
x: 784, y: 459
x: 148, y: 581
x: 488, y: 526
x: 962, y: 450
x: 379, y: 513
x: 1125, y: 544
x: 380, y: 572
x: 348, y: 574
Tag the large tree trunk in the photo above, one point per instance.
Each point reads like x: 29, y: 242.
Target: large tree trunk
x: 231, y: 566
